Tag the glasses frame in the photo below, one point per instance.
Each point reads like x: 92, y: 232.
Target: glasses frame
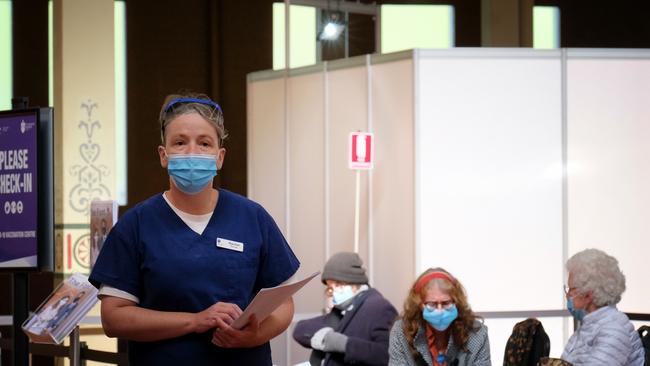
x: 568, y: 289
x: 435, y: 305
x: 329, y: 290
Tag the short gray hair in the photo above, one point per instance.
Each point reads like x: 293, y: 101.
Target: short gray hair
x: 596, y: 271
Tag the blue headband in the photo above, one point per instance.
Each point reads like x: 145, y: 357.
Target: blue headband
x: 192, y: 100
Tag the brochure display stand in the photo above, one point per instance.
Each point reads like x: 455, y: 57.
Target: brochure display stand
x: 60, y: 313
x: 73, y: 351
x: 20, y: 341
x: 58, y: 317
x: 78, y: 354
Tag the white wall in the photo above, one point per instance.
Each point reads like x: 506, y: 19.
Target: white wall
x: 266, y: 140
x: 609, y: 162
x: 489, y: 179
x: 392, y: 181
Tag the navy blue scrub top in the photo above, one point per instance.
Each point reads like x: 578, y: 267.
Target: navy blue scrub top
x: 152, y: 254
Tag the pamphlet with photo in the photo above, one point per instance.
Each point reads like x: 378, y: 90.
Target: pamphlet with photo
x: 60, y: 313
x: 103, y: 215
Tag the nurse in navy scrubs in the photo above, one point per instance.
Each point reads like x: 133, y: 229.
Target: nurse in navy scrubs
x: 179, y: 267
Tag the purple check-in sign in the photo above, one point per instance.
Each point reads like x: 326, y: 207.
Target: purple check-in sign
x: 18, y: 193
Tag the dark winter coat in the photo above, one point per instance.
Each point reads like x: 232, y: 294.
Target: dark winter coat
x: 367, y: 324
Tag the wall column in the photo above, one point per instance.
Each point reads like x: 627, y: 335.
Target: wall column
x: 507, y: 23
x: 84, y: 101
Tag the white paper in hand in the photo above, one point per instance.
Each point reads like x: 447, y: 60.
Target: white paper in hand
x: 268, y: 299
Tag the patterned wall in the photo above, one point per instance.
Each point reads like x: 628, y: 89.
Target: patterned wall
x: 88, y: 176
x: 84, y: 102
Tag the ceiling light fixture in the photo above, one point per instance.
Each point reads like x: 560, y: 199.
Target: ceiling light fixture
x: 333, y: 28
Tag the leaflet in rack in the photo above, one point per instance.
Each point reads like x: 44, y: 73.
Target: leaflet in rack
x: 103, y: 216
x: 60, y: 313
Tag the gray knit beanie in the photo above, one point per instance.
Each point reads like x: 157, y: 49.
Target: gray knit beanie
x: 345, y: 267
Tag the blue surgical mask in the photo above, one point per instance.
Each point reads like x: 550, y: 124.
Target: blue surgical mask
x: 440, y: 319
x: 578, y: 314
x: 342, y: 294
x: 192, y: 173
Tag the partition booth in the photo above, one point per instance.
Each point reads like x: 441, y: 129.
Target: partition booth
x: 496, y: 164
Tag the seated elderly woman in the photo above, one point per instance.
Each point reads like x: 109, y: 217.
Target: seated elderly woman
x: 438, y: 327
x: 605, y: 336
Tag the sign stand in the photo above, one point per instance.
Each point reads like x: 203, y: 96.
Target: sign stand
x: 361, y: 158
x: 75, y: 348
x: 74, y: 351
x: 357, y: 200
x: 20, y: 350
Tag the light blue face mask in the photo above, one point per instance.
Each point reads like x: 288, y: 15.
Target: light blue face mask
x: 192, y: 173
x: 440, y: 319
x: 342, y: 294
x: 578, y: 314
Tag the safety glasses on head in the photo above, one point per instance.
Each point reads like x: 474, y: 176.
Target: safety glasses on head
x: 176, y: 101
x: 209, y: 110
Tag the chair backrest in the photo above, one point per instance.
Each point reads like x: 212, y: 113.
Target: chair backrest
x: 527, y: 344
x: 644, y: 333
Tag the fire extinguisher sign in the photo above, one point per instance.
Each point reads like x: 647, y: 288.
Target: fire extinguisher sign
x: 361, y: 151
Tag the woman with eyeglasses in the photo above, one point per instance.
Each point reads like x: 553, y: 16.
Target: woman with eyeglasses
x: 605, y: 336
x: 438, y: 327
x: 178, y: 268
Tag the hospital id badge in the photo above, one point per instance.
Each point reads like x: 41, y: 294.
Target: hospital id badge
x: 230, y: 244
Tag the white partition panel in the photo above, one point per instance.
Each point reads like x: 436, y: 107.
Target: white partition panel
x: 307, y: 177
x: 266, y: 152
x: 298, y: 354
x: 347, y: 112
x: 609, y: 162
x: 279, y: 349
x: 393, y: 206
x: 488, y: 176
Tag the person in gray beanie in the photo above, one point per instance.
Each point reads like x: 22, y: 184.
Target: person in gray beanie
x: 356, y: 329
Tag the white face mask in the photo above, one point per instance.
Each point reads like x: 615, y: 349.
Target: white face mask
x: 342, y: 294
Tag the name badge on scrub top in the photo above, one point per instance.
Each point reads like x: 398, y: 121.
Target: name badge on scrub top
x: 230, y: 244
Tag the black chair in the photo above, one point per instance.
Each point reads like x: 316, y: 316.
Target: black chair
x: 644, y: 333
x: 527, y: 344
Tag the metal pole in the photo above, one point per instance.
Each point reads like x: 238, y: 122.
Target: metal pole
x: 369, y: 128
x: 346, y: 36
x: 20, y: 340
x: 75, y: 349
x: 356, y: 212
x: 287, y: 151
x: 287, y: 135
x: 378, y: 30
x: 287, y: 29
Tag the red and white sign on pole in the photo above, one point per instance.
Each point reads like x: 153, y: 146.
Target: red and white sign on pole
x: 361, y: 158
x: 361, y: 151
